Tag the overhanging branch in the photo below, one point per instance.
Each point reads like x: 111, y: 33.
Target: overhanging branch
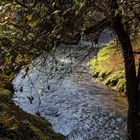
x: 100, y: 26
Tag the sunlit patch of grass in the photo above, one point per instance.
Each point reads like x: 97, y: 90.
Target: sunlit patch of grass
x: 108, y: 65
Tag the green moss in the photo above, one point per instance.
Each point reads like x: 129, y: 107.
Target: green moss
x: 107, y: 49
x: 5, y: 92
x: 99, y: 63
x: 108, y: 67
x: 121, y: 85
x: 113, y: 78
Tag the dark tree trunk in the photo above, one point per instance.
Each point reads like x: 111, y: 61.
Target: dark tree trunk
x: 133, y: 125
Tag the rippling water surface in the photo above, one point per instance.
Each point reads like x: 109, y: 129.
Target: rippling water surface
x: 77, y: 106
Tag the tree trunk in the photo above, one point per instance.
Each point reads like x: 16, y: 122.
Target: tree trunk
x: 133, y: 124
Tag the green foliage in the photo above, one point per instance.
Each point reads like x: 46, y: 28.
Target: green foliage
x: 30, y: 28
x: 102, y: 67
x: 38, y: 26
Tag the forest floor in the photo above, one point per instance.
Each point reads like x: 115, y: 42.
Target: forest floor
x: 108, y: 66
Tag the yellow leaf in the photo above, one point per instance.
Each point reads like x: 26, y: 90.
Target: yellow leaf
x: 29, y: 17
x: 11, y: 76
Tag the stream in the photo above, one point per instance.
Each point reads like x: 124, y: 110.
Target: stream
x: 63, y: 91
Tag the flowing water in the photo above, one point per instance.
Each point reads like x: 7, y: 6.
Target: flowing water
x: 74, y: 103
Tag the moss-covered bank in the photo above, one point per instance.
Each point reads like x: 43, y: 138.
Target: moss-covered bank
x: 16, y: 124
x: 108, y: 65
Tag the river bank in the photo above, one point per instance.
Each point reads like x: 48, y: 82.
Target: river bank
x: 108, y: 66
x: 15, y: 124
